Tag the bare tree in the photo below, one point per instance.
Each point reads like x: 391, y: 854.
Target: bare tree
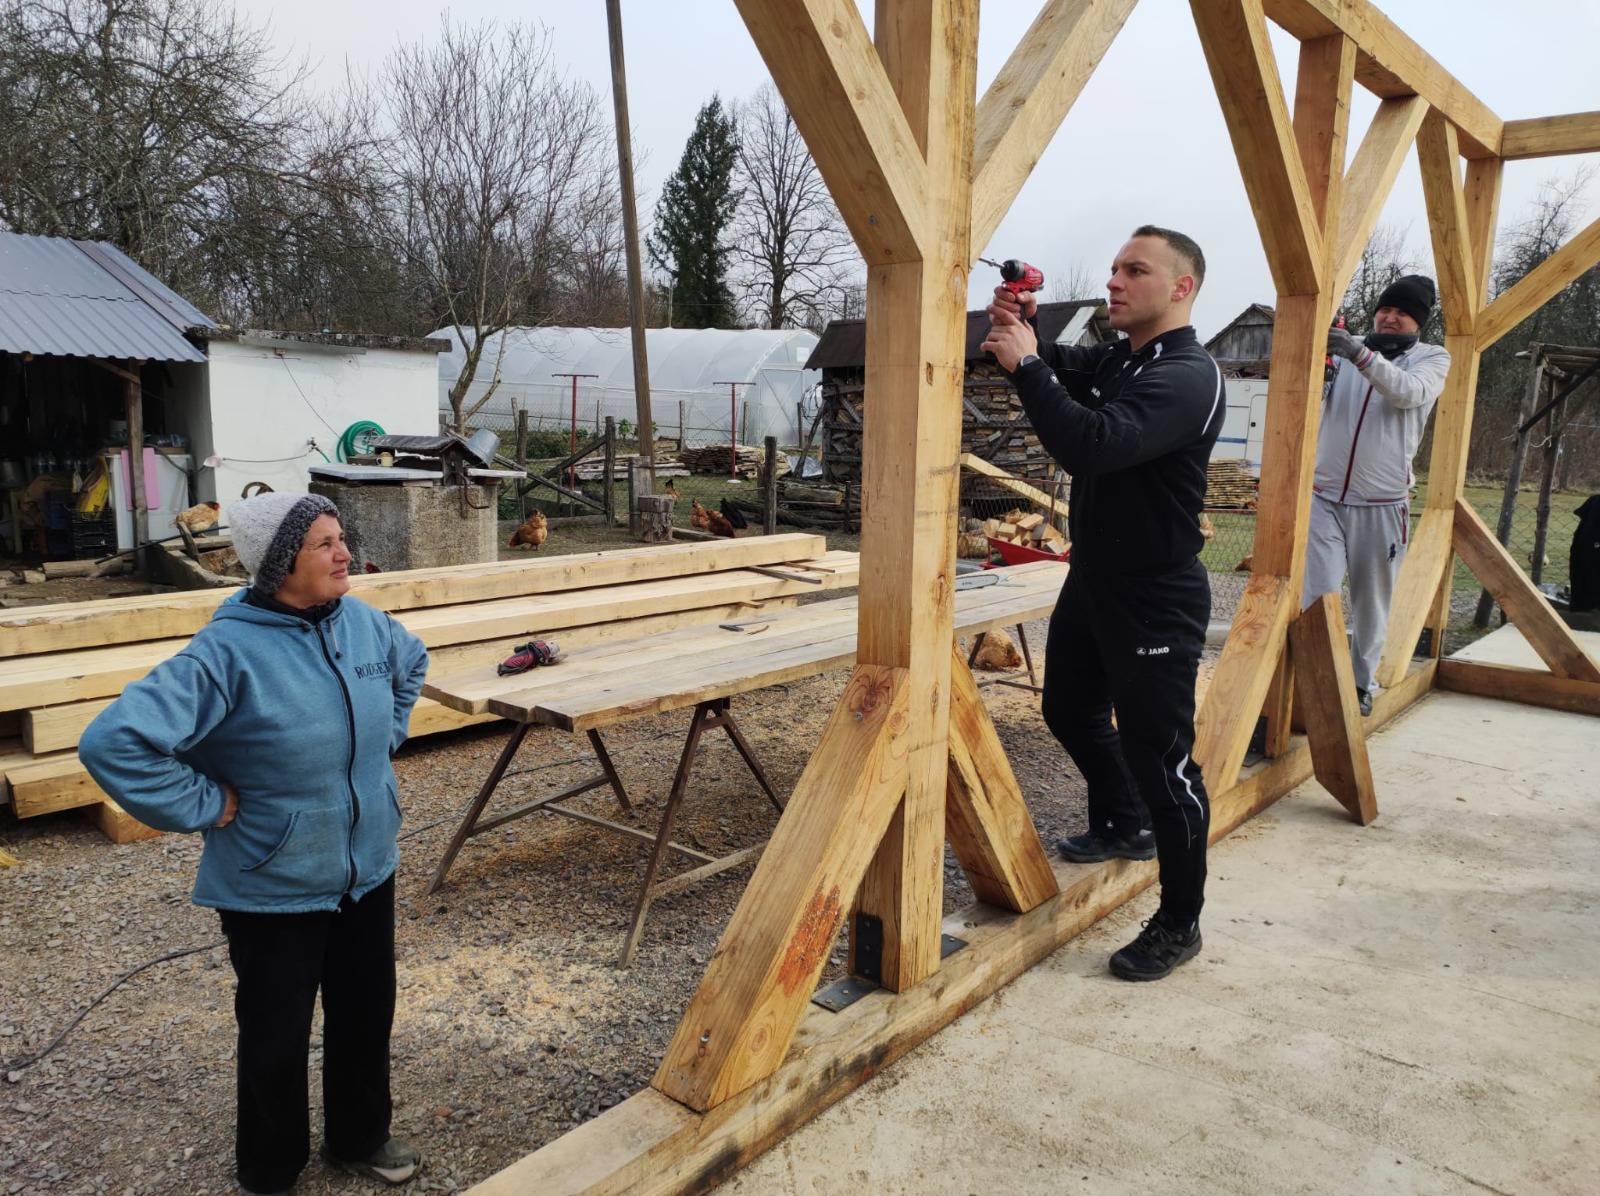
x: 486, y: 153
x: 1073, y: 281
x: 792, y: 246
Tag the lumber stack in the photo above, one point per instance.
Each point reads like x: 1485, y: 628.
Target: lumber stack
x: 1230, y: 486
x: 667, y: 466
x: 1017, y: 526
x: 713, y: 459
x: 61, y: 665
x: 809, y: 504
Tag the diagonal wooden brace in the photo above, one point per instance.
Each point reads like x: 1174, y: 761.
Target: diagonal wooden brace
x: 1325, y: 689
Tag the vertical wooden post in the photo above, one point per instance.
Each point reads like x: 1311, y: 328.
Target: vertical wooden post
x: 769, y: 487
x: 1555, y: 423
x: 522, y: 462
x: 1519, y: 456
x: 133, y: 399
x: 610, y: 475
x: 916, y: 324
x: 680, y: 426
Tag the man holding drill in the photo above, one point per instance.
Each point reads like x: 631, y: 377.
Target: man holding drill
x: 1133, y: 422
x: 1373, y: 415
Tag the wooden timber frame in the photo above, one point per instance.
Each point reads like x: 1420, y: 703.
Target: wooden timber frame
x: 922, y: 172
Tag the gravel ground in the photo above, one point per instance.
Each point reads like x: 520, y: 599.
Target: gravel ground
x: 514, y: 1024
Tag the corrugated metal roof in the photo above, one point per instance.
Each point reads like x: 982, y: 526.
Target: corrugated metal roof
x: 89, y: 299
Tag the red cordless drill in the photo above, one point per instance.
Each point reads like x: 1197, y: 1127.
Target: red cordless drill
x: 1017, y: 276
x: 1328, y: 366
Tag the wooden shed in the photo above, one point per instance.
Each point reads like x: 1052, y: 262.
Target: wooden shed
x: 994, y: 426
x: 1244, y: 346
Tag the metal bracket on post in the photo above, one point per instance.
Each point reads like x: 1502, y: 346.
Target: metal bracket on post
x: 842, y: 994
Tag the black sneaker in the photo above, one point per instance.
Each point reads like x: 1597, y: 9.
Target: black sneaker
x: 1092, y: 848
x: 1364, y: 701
x: 1156, y: 951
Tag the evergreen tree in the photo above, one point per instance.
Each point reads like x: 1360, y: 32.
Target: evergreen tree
x: 694, y: 212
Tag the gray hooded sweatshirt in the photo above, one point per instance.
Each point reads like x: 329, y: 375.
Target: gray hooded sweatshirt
x: 1372, y: 421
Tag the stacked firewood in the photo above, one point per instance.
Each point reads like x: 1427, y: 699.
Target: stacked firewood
x: 1020, y: 527
x: 1230, y: 485
x: 713, y: 459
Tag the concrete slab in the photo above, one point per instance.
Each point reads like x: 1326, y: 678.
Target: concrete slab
x: 1411, y: 1007
x: 1505, y: 645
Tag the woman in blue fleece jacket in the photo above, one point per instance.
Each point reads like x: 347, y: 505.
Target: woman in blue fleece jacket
x: 271, y: 735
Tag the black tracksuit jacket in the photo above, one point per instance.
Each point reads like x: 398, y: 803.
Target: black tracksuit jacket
x: 1135, y: 431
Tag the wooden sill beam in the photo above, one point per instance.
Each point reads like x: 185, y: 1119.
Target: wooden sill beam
x: 1535, y: 687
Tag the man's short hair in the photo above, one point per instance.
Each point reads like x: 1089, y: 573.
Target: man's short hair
x: 1185, y: 247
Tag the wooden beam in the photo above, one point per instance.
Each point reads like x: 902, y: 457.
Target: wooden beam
x: 1240, y: 682
x: 1438, y: 153
x: 1427, y: 557
x: 1015, y: 485
x: 1322, y: 117
x: 742, y: 1017
x: 1452, y: 424
x: 916, y: 337
x: 651, y: 1146
x: 1391, y: 64
x: 1524, y: 605
x: 1279, y: 709
x: 1539, y: 285
x: 1233, y: 34
x: 1483, y: 209
x: 1370, y: 179
x: 822, y: 59
x: 1325, y: 688
x: 986, y: 817
x: 1545, y: 136
x: 1030, y: 97
x: 1534, y: 687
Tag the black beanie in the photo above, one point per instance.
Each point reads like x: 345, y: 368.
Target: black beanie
x: 1413, y: 294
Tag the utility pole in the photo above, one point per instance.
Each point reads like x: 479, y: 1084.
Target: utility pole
x: 630, y: 236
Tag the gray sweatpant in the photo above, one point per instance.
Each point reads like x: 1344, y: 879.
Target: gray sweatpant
x: 1369, y: 543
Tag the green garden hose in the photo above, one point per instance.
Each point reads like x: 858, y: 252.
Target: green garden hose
x: 357, y: 439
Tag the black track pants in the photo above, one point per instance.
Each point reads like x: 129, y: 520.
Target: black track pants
x: 281, y: 960
x: 1133, y: 645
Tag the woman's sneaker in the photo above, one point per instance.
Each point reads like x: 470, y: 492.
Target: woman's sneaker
x: 1158, y: 949
x: 1092, y: 848
x: 394, y: 1162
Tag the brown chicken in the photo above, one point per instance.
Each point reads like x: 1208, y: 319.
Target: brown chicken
x: 998, y: 653
x: 669, y: 489
x: 699, y: 516
x: 532, y: 533
x: 198, y: 518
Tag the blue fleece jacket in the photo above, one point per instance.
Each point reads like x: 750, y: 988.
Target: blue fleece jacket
x: 301, y: 719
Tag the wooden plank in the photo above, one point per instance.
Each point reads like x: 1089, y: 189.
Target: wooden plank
x: 1539, y: 285
x: 1484, y: 176
x: 1325, y: 689
x: 118, y: 825
x: 51, y: 783
x: 1322, y: 117
x: 986, y: 817
x: 1015, y: 485
x: 130, y: 620
x: 822, y: 59
x: 1512, y: 684
x: 1545, y: 136
x: 61, y: 677
x: 1233, y: 35
x: 650, y: 1145
x: 1438, y: 153
x: 1243, y: 674
x: 1369, y: 180
x: 1427, y: 558
x: 1030, y: 97
x: 56, y: 728
x: 1524, y: 605
x: 1452, y: 424
x: 1279, y: 708
x: 1391, y: 64
x: 742, y: 1018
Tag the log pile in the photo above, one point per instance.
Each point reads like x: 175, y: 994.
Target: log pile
x: 993, y: 427
x: 1017, y: 526
x: 713, y: 459
x: 808, y: 504
x: 667, y: 466
x: 60, y: 665
x: 1230, y: 486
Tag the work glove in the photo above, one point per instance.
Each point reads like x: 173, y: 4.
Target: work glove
x: 1342, y: 344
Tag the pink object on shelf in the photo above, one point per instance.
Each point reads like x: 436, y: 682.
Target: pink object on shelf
x: 152, y: 488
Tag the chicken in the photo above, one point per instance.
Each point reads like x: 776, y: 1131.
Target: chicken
x: 1247, y: 565
x: 371, y: 567
x: 734, y: 515
x: 699, y: 516
x: 670, y: 490
x: 998, y: 653
x: 532, y: 533
x: 1206, y: 530
x: 198, y: 518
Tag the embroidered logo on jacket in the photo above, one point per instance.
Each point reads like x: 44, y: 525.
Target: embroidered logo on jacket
x: 375, y: 668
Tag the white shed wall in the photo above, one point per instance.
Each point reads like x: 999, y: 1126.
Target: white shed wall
x: 267, y: 404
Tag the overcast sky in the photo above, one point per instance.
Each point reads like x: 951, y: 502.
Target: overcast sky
x: 1145, y: 142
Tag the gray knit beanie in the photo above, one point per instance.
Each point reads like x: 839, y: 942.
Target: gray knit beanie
x: 268, y: 531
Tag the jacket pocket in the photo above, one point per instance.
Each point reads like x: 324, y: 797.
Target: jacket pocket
x: 313, y: 854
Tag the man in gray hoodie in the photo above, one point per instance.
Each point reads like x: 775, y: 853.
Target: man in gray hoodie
x: 1373, y: 415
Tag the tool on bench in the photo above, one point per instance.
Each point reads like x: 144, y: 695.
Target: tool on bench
x: 1017, y: 276
x: 782, y: 575
x: 748, y: 626
x: 529, y: 656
